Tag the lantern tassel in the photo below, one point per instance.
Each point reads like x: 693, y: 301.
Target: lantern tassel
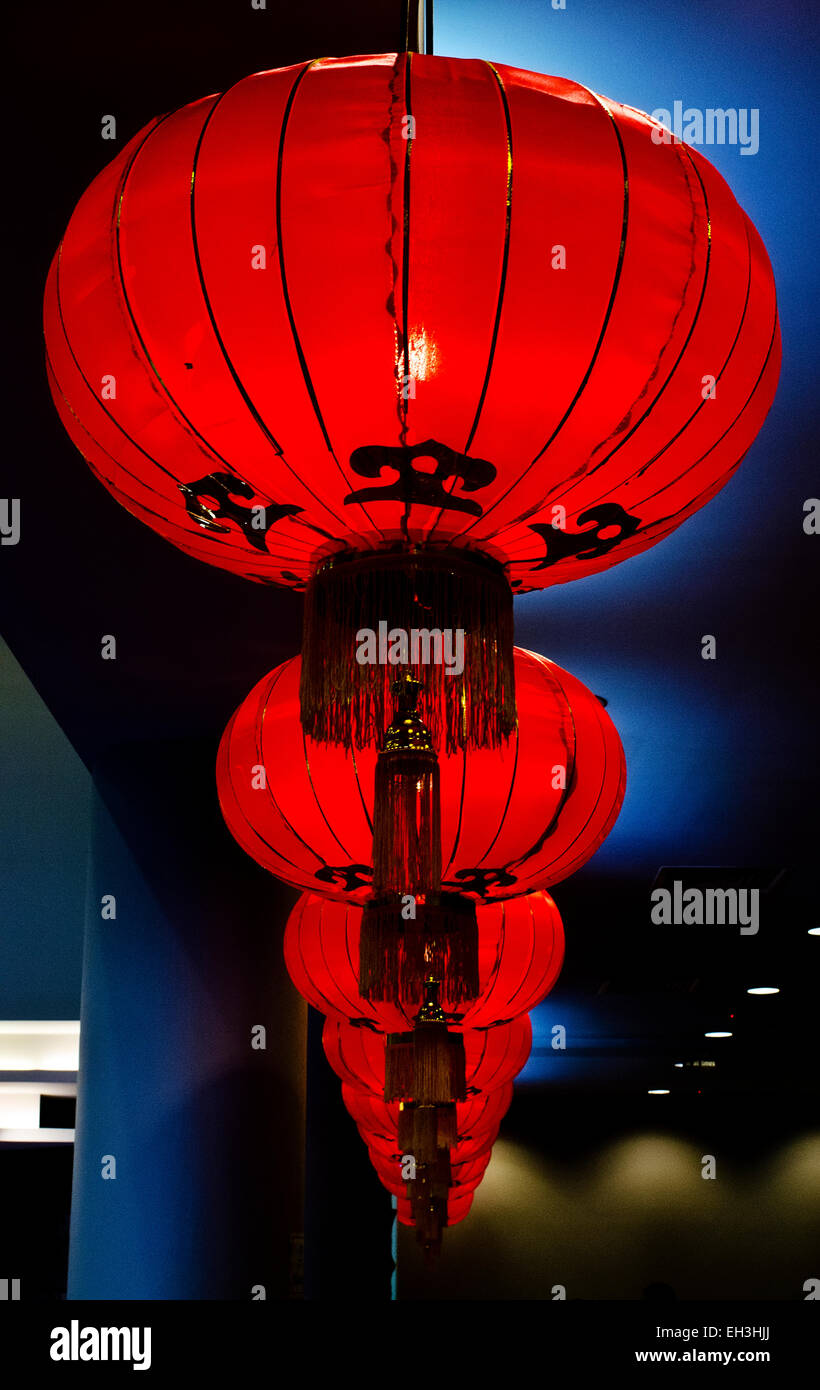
x: 429, y: 598
x: 407, y: 802
x: 406, y: 839
x: 397, y: 956
x: 425, y: 1131
x: 426, y: 1066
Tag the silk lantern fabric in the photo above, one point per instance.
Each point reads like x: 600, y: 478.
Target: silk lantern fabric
x: 520, y: 954
x: 514, y: 819
x: 493, y: 1056
x: 411, y: 300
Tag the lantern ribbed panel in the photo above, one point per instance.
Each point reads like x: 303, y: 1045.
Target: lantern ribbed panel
x: 493, y: 1056
x: 520, y: 953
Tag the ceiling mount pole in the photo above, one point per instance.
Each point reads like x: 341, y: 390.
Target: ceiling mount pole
x: 417, y: 26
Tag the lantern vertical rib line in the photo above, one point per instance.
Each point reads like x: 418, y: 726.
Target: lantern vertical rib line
x: 319, y: 806
x: 359, y: 787
x: 460, y: 813
x: 725, y: 364
x: 103, y: 450
x: 101, y: 403
x: 642, y: 469
x: 692, y: 326
x: 505, y: 255
x: 120, y: 468
x: 259, y: 731
x: 571, y: 755
x: 505, y: 258
x: 672, y: 481
x: 171, y: 399
x: 286, y: 293
x: 255, y: 833
x: 404, y: 404
x: 510, y: 790
x: 714, y: 486
x: 638, y: 472
x: 267, y: 433
x: 605, y: 325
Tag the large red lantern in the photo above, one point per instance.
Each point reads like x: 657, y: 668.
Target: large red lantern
x: 520, y: 953
x: 513, y: 819
x: 493, y: 1055
x: 335, y: 294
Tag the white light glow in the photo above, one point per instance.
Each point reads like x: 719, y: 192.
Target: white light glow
x: 36, y: 1136
x: 39, y: 1045
x: 717, y: 1035
x: 20, y: 1101
x: 763, y: 989
x: 657, y: 1093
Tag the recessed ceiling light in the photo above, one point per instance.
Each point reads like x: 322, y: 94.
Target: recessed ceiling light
x: 657, y: 1093
x: 764, y: 989
x: 717, y: 1035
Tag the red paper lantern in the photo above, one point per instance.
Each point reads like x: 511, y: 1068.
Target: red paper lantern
x: 476, y: 1118
x: 411, y: 300
x: 465, y: 1177
x: 494, y: 1055
x: 458, y: 1205
x: 520, y: 953
x: 513, y: 819
x: 387, y: 1147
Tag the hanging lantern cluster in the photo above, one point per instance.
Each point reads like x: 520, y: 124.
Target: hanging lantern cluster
x: 428, y: 934
x: 429, y: 1146
x: 302, y: 330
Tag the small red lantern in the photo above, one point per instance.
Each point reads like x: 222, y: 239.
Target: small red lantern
x: 458, y: 1205
x: 493, y: 1055
x: 462, y: 1176
x: 476, y: 1118
x: 390, y: 1150
x: 513, y: 819
x: 520, y: 953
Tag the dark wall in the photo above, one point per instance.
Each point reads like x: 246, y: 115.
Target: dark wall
x: 608, y: 1200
